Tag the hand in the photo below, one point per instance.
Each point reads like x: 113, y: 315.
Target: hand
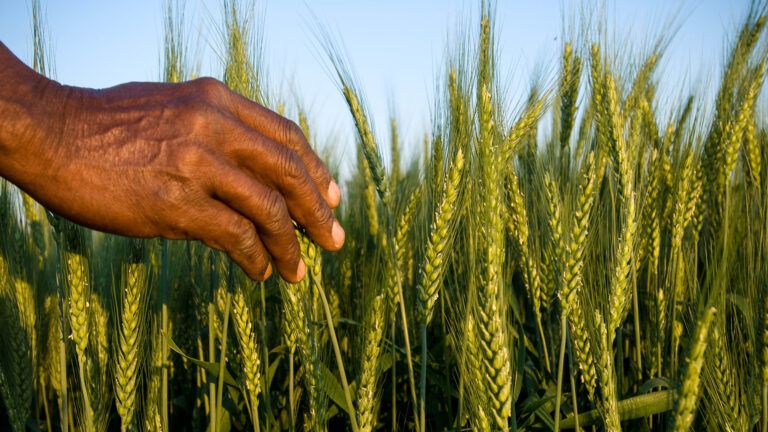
x: 180, y: 161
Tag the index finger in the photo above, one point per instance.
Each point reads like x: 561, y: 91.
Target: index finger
x: 289, y: 134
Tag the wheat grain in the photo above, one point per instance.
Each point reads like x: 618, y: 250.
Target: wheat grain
x: 130, y: 349
x: 249, y: 351
x: 609, y: 403
x: 400, y: 244
x: 369, y: 147
x: 570, y: 296
x: 367, y: 393
x: 491, y: 332
x: 689, y: 390
x: 570, y: 77
x: 436, y: 255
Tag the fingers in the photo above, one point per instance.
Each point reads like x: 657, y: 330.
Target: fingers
x: 287, y: 133
x: 270, y: 176
x: 284, y: 170
x: 224, y: 229
x: 268, y: 211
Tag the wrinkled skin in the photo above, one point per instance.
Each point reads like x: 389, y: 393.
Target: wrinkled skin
x: 180, y: 161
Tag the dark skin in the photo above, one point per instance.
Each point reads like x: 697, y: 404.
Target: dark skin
x: 180, y: 161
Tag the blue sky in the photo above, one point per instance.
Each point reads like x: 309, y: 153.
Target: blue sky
x: 395, y: 47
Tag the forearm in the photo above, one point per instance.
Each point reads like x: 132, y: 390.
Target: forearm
x: 31, y: 111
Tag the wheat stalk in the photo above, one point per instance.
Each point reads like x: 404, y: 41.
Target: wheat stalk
x: 77, y: 276
x: 369, y: 197
x: 367, y: 391
x: 368, y: 144
x: 609, y: 403
x: 300, y: 335
x: 249, y: 350
x: 436, y: 255
x: 573, y: 263
x: 400, y: 245
x: 619, y: 298
x: 101, y: 395
x: 130, y: 347
x: 491, y: 331
x: 311, y: 254
x: 689, y: 391
x: 473, y: 368
x: 570, y: 77
x: 16, y: 371
x: 553, y: 270
x: 725, y: 382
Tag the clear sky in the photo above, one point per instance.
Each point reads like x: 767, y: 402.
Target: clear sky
x: 395, y: 47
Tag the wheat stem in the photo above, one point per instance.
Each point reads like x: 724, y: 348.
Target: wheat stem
x: 560, y: 364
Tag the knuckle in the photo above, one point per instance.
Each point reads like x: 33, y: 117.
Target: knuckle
x: 245, y: 239
x: 293, y: 137
x: 291, y: 166
x: 249, y: 247
x: 241, y: 231
x: 323, y: 214
x: 244, y: 248
x: 290, y: 132
x: 276, y: 211
x: 208, y: 87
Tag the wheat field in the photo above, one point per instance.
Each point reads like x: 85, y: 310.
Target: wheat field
x: 592, y: 258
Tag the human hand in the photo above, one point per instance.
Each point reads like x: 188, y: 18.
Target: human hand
x: 181, y: 161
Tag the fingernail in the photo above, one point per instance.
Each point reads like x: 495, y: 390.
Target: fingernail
x: 334, y: 194
x: 267, y: 272
x: 301, y: 270
x: 337, y: 233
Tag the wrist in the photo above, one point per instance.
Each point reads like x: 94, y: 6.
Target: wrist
x: 33, y: 112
